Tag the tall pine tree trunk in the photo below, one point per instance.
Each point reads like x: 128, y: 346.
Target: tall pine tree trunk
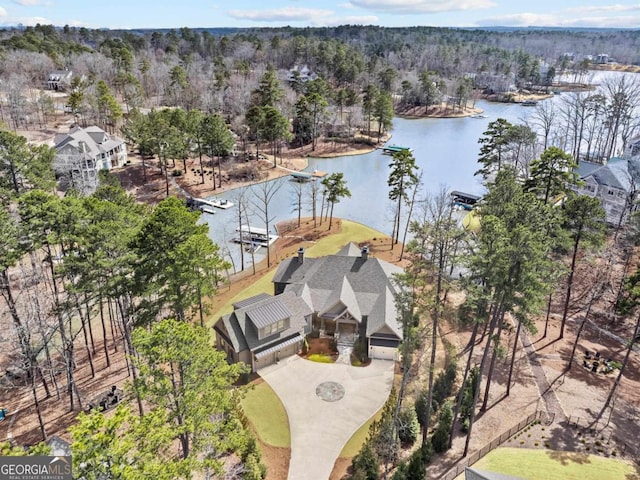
x: 569, y: 286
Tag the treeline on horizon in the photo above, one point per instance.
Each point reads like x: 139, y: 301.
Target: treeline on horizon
x: 546, y: 43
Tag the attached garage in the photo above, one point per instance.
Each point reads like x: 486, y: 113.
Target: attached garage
x: 383, y: 348
x: 273, y: 354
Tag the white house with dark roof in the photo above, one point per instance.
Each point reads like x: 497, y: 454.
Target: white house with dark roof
x: 83, y: 152
x: 350, y: 295
x: 59, y: 79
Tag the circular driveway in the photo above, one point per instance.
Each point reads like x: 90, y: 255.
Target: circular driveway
x: 320, y: 428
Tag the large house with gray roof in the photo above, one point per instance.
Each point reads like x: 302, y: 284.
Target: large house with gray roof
x: 612, y: 184
x: 83, y: 152
x: 350, y: 296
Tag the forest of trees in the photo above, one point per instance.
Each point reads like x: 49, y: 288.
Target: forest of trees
x: 145, y: 275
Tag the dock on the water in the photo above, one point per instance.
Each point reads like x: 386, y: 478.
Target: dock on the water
x: 391, y: 149
x: 464, y: 200
x: 307, y: 176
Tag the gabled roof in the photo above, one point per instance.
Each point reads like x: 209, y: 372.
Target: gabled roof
x: 350, y: 250
x: 363, y: 285
x: 251, y: 300
x: 615, y: 174
x: 384, y: 316
x: 91, y: 140
x: 241, y: 330
x: 347, y: 297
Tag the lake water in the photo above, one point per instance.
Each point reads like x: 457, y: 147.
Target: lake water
x: 446, y: 150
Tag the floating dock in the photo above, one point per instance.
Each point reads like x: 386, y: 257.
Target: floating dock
x: 221, y: 203
x: 302, y: 177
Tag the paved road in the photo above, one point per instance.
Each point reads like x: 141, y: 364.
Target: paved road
x: 320, y: 428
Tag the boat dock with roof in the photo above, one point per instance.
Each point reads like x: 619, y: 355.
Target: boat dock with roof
x: 391, y: 149
x: 464, y: 200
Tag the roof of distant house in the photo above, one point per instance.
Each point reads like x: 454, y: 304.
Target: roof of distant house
x: 92, y: 140
x: 615, y: 174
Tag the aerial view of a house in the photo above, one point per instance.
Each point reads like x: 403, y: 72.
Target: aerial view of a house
x: 83, y: 152
x: 59, y: 79
x: 350, y: 296
x: 611, y: 184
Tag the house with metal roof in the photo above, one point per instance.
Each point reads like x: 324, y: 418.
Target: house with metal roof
x: 83, y: 152
x: 350, y: 296
x: 263, y: 329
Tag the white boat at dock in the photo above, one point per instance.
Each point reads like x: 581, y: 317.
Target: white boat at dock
x: 221, y: 203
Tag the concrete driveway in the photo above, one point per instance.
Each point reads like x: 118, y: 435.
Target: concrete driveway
x: 320, y: 428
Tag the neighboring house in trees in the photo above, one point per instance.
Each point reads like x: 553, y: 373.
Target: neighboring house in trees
x: 83, y: 152
x: 59, y: 80
x: 496, y: 83
x: 301, y: 73
x: 612, y: 184
x: 349, y: 295
x: 632, y: 148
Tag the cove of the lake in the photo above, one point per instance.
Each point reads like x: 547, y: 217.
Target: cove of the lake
x: 446, y: 152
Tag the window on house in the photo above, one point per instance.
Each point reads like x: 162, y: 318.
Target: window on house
x: 610, y: 192
x: 274, y: 328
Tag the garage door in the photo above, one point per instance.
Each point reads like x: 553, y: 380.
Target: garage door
x: 271, y: 357
x: 382, y: 353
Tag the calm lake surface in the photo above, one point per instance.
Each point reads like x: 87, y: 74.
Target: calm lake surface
x: 446, y: 150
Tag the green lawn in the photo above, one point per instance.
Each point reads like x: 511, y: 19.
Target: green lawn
x: 555, y: 465
x: 267, y: 414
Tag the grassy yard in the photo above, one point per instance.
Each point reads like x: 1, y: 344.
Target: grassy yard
x: 267, y: 414
x: 555, y: 465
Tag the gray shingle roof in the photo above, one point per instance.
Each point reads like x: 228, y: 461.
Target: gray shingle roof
x: 349, y: 279
x: 93, y: 140
x: 615, y: 174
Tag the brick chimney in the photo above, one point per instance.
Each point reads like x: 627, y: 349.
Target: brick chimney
x: 365, y: 252
x: 301, y: 255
